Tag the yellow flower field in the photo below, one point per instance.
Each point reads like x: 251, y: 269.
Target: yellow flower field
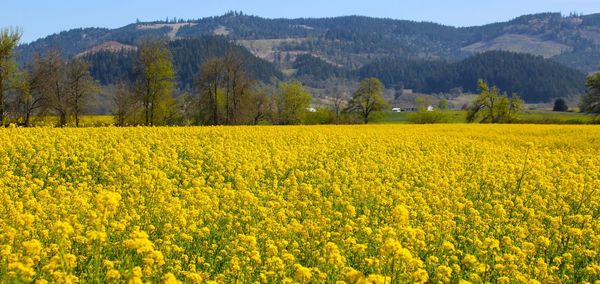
x: 359, y: 204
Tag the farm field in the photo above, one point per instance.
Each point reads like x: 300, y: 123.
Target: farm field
x: 304, y: 204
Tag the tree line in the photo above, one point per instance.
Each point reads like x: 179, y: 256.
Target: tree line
x: 50, y: 85
x: 534, y: 78
x: 224, y: 92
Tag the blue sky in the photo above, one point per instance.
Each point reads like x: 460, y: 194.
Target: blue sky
x: 39, y: 18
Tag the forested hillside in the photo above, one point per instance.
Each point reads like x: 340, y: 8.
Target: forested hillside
x: 188, y: 54
x: 423, y: 56
x: 534, y: 78
x: 352, y: 41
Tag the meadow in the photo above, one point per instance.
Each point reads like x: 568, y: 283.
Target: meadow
x: 304, y: 204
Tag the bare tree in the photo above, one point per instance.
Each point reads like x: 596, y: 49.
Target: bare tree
x: 29, y: 97
x: 209, y: 82
x: 80, y: 85
x: 48, y: 71
x: 337, y: 104
x: 124, y: 103
x: 225, y: 90
x: 259, y: 105
x: 237, y: 85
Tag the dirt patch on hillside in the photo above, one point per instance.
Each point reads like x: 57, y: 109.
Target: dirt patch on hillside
x: 174, y: 28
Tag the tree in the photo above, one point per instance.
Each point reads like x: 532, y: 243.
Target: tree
x: 49, y: 80
x: 156, y: 79
x: 337, y: 103
x: 9, y: 39
x: 443, y: 105
x: 186, y: 103
x: 80, y: 85
x: 260, y: 104
x: 492, y: 107
x: 292, y: 102
x: 590, y: 101
x: 29, y: 97
x: 237, y: 85
x: 560, y: 105
x: 124, y: 103
x: 368, y: 99
x: 209, y: 82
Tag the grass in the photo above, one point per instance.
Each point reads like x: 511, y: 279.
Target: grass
x: 453, y: 116
x: 527, y: 117
x: 554, y: 117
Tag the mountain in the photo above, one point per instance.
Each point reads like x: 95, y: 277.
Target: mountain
x: 318, y: 49
x: 353, y: 41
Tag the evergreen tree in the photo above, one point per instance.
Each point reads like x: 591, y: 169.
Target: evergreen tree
x: 560, y: 105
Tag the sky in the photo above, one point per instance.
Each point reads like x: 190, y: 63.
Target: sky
x: 40, y: 18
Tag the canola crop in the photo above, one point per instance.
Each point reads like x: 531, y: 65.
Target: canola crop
x: 321, y: 204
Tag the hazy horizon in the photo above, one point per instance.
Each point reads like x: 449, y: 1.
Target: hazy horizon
x: 39, y: 20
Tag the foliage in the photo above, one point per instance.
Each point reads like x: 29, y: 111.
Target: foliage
x: 368, y: 99
x: 560, y: 105
x: 424, y: 116
x: 292, y: 103
x: 9, y: 39
x: 590, y: 101
x: 492, y: 107
x: 484, y: 204
x: 155, y: 81
x: 319, y: 116
x: 443, y: 105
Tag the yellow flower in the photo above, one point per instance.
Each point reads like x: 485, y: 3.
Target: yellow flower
x: 32, y: 247
x: 303, y: 274
x: 113, y: 275
x: 443, y: 273
x: 360, y: 204
x: 169, y: 278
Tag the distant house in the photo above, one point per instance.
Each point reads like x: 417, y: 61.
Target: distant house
x: 430, y: 108
x: 397, y: 109
x: 311, y: 109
